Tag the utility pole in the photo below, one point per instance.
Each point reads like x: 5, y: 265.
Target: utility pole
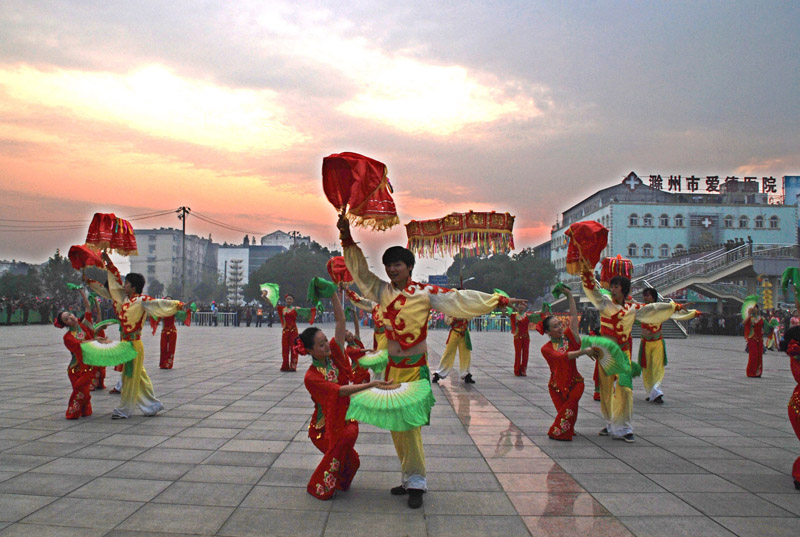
x: 182, y: 212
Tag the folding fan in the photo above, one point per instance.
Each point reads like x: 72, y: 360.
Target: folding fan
x: 396, y: 407
x: 612, y: 359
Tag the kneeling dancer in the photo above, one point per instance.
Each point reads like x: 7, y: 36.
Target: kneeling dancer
x: 328, y: 381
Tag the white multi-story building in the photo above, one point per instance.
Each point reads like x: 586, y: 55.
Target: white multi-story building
x: 160, y: 256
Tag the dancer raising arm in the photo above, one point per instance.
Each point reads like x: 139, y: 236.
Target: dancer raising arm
x: 566, y: 384
x: 405, y: 307
x: 131, y: 307
x: 327, y: 380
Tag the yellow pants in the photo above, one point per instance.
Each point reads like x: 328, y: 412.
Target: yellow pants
x: 455, y: 342
x: 653, y: 374
x: 616, y: 403
x: 408, y: 444
x: 137, y: 389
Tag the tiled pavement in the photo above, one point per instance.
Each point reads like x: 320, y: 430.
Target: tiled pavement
x: 230, y: 455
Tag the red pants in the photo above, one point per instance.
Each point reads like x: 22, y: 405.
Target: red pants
x: 338, y: 466
x: 596, y: 378
x: 287, y: 349
x: 755, y: 353
x: 566, y: 403
x: 80, y: 402
x: 521, y: 346
x: 168, y: 340
x: 794, y: 418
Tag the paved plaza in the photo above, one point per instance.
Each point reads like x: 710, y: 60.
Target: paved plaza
x: 230, y: 454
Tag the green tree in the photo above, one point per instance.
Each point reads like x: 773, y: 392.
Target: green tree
x: 155, y: 288
x: 55, y: 275
x: 522, y: 275
x: 292, y: 271
x: 18, y: 286
x: 210, y: 287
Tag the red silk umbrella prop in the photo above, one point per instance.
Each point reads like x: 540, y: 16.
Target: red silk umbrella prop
x: 81, y: 256
x: 586, y: 242
x: 107, y: 232
x: 470, y: 234
x: 360, y: 186
x: 338, y: 270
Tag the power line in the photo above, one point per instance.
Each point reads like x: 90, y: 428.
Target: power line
x: 230, y: 227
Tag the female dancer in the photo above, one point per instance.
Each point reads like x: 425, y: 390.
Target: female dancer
x: 288, y: 316
x: 566, y: 384
x: 81, y: 376
x: 327, y: 380
x: 791, y: 345
x: 754, y: 333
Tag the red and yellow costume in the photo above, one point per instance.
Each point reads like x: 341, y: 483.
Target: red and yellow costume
x: 169, y: 337
x: 334, y: 436
x: 653, y: 355
x: 137, y: 389
x: 754, y: 334
x: 379, y: 341
x: 616, y: 323
x: 566, y: 384
x: 288, y: 318
x: 405, y: 316
x: 82, y: 376
x: 520, y: 328
x: 458, y: 340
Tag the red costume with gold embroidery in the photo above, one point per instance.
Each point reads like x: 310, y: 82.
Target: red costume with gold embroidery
x: 754, y: 334
x: 794, y: 406
x: 288, y: 317
x: 81, y: 376
x: 566, y: 384
x: 520, y: 328
x: 334, y: 436
x: 169, y: 337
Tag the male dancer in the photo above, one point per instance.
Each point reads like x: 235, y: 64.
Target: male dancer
x: 131, y: 307
x: 405, y: 307
x: 653, y: 351
x: 457, y: 340
x: 617, y: 315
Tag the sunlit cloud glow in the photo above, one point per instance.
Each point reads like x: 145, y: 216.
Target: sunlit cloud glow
x: 155, y: 101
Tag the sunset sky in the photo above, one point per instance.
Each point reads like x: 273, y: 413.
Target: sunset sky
x: 519, y: 106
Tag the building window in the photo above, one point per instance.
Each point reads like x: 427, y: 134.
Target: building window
x: 679, y: 249
x: 759, y: 222
x: 744, y: 222
x: 648, y: 220
x: 774, y: 222
x: 633, y: 251
x: 647, y: 250
x: 678, y: 220
x: 664, y: 220
x: 664, y: 250
x: 728, y: 221
x: 633, y: 220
